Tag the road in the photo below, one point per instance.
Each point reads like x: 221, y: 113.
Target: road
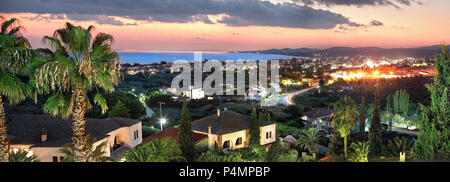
x: 287, y: 99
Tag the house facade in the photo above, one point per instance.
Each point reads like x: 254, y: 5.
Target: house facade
x: 44, y: 136
x: 229, y: 130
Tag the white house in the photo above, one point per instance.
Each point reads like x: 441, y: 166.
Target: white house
x: 44, y: 136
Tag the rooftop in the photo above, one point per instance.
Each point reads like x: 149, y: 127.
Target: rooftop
x: 227, y: 122
x: 318, y: 113
x: 26, y: 129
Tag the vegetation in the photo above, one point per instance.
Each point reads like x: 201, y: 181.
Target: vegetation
x: 359, y: 152
x: 397, y: 145
x: 362, y: 119
x: 336, y: 144
x: 74, y: 67
x: 309, y: 139
x: 14, y: 55
x: 433, y: 140
x: 278, y: 153
x: 215, y: 156
x: 158, y: 150
x: 375, y: 139
x: 185, y: 136
x: 119, y: 110
x: 254, y: 130
x: 400, y: 101
x: 96, y: 154
x: 22, y: 156
x: 344, y: 118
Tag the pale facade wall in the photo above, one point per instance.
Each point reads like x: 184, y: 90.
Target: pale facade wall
x: 232, y: 137
x: 46, y: 154
x: 266, y: 130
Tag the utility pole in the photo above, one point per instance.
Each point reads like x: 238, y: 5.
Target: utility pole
x: 162, y: 120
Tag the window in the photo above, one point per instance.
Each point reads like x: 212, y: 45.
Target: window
x: 270, y: 134
x: 55, y: 158
x: 136, y: 134
x: 226, y: 144
x: 61, y: 158
x: 239, y: 141
x: 267, y: 135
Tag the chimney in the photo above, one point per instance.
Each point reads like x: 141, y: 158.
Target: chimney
x: 209, y: 138
x: 43, y: 136
x: 218, y: 112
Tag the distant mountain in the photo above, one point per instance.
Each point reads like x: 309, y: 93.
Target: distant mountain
x: 427, y: 51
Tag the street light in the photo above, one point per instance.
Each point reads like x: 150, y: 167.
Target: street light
x: 162, y: 121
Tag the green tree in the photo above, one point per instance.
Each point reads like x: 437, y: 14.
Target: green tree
x: 185, y: 136
x: 14, y: 55
x: 215, y: 156
x: 388, y: 114
x: 375, y: 139
x: 362, y: 119
x: 401, y: 102
x: 344, y: 118
x: 278, y: 153
x: 397, y: 145
x: 433, y: 140
x: 119, y: 110
x: 94, y: 154
x: 335, y: 146
x: 309, y: 139
x: 254, y: 130
x: 158, y: 150
x: 72, y: 69
x: 22, y: 156
x: 359, y: 152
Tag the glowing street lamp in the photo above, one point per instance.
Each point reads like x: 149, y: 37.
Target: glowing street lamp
x: 162, y: 121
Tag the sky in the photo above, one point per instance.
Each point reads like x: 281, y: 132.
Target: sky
x: 238, y: 25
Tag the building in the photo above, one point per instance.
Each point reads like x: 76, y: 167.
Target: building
x: 44, y: 136
x: 230, y: 130
x: 193, y: 93
x: 319, y: 117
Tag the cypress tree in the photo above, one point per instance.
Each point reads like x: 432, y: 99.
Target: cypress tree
x: 375, y: 139
x: 185, y: 135
x: 433, y: 139
x: 254, y: 130
x: 362, y: 119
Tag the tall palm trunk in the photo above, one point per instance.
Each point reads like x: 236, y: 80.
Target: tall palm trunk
x: 3, y: 134
x: 345, y: 147
x: 79, y: 138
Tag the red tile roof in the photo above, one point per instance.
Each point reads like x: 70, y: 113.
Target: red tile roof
x: 172, y: 133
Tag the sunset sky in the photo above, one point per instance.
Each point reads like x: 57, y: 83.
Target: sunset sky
x: 232, y: 25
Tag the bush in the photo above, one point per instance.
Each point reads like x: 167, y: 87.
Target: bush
x: 215, y: 156
x: 148, y: 130
x: 284, y: 130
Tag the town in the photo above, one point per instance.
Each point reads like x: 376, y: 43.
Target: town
x: 303, y: 82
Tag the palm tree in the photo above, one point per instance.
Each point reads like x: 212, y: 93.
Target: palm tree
x: 397, y: 145
x: 360, y: 151
x: 309, y: 139
x: 14, y: 54
x: 22, y: 156
x: 96, y: 154
x: 73, y: 68
x: 158, y: 150
x: 344, y: 118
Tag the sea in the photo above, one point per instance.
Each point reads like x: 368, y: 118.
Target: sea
x: 157, y: 57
